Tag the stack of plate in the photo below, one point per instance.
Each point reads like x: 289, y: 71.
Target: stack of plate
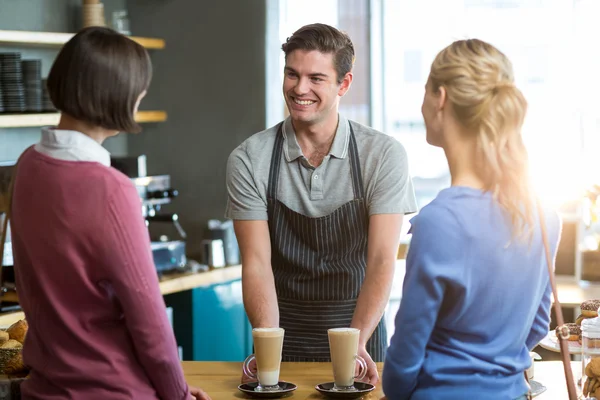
x: 93, y: 13
x: 32, y: 82
x: 46, y: 102
x: 11, y: 77
x: 1, y: 93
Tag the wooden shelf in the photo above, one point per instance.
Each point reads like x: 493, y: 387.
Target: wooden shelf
x: 56, y: 39
x: 44, y: 119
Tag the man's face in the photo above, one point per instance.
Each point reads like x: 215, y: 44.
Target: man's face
x: 310, y: 86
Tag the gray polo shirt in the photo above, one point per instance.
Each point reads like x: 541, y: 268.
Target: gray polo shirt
x: 316, y: 192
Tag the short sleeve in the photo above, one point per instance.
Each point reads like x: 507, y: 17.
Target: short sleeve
x: 393, y: 191
x: 244, y: 201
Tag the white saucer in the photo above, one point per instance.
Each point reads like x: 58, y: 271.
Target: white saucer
x: 550, y: 342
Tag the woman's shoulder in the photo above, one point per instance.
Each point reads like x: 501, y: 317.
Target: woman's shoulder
x: 436, y: 217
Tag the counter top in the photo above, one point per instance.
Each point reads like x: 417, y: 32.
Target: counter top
x: 221, y: 379
x: 180, y: 282
x: 551, y: 374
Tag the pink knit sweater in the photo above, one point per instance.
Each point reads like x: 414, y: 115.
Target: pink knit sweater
x: 88, y: 287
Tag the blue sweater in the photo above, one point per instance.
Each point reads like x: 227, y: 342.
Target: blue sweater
x: 473, y: 304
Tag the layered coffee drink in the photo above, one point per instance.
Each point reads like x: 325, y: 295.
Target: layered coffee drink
x: 343, y: 347
x: 268, y: 343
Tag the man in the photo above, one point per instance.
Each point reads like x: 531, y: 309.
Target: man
x: 317, y: 203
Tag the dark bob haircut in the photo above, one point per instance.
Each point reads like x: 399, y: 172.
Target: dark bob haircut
x: 98, y: 77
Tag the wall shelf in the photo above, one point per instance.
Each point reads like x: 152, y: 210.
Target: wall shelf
x: 57, y: 39
x: 44, y: 119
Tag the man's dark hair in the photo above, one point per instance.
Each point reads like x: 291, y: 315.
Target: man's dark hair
x: 98, y: 77
x: 325, y: 39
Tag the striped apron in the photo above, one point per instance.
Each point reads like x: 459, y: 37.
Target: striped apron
x: 319, y: 267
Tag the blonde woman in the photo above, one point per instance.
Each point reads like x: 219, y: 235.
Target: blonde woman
x: 476, y: 295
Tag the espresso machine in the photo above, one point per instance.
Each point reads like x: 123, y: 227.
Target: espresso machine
x: 8, y: 297
x: 166, y: 234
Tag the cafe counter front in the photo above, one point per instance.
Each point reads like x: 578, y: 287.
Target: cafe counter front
x: 221, y: 379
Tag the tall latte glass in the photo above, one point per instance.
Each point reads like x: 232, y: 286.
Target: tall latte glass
x: 343, y: 347
x: 268, y: 343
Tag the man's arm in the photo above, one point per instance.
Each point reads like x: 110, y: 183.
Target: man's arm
x: 384, y: 237
x: 258, y: 285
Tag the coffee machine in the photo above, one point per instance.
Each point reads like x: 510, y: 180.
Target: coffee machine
x: 166, y: 234
x: 8, y: 296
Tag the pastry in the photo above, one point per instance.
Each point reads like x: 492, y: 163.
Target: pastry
x: 591, y: 386
x: 580, y: 318
x: 594, y: 367
x: 15, y: 365
x: 590, y: 308
x: 4, y: 337
x: 11, y: 344
x: 18, y: 330
x: 574, y: 331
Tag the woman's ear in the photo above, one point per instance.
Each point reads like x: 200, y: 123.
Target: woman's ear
x: 441, y: 98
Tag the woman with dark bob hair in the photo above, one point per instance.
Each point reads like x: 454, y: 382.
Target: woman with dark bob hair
x: 84, y: 269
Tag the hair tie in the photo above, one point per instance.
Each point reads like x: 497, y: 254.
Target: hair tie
x: 504, y: 84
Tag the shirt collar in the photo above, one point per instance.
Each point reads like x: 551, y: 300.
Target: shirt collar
x: 72, y: 146
x: 339, y: 147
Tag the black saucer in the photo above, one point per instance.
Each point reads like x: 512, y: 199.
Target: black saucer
x: 361, y: 390
x: 286, y: 389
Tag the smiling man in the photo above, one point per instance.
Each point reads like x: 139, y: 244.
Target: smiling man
x: 318, y: 202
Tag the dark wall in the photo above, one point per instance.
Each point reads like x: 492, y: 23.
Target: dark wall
x: 45, y: 16
x: 211, y: 81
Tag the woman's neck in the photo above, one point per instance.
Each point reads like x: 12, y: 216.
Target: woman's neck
x: 462, y: 158
x: 97, y: 133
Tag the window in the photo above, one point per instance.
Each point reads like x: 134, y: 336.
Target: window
x: 549, y: 43
x: 350, y: 16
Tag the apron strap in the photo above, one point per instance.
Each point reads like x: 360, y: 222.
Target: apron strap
x: 275, y: 165
x: 357, y: 181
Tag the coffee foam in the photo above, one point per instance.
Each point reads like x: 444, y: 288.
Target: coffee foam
x: 268, y: 332
x: 267, y: 329
x: 344, y: 330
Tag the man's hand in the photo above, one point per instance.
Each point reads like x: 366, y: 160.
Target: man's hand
x: 372, y: 376
x: 198, y: 394
x: 252, y: 367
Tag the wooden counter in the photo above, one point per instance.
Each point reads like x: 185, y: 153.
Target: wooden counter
x: 181, y: 282
x: 9, y: 318
x: 572, y: 293
x: 221, y: 379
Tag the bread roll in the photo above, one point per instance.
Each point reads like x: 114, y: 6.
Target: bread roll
x: 18, y: 331
x: 4, y: 337
x: 12, y: 344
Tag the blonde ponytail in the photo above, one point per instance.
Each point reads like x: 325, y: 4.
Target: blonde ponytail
x: 479, y: 83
